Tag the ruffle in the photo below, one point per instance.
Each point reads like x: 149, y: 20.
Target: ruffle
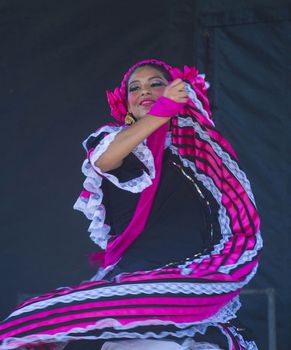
x: 94, y: 210
x: 90, y: 201
x: 141, y: 151
x: 248, y: 345
x: 129, y: 330
x: 146, y: 288
x: 223, y: 218
x: 61, y: 339
x: 193, y: 97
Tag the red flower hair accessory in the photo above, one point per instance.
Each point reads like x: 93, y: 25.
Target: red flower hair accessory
x: 117, y: 103
x: 117, y: 99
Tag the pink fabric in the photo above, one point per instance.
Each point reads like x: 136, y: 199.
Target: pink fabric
x: 165, y: 107
x: 116, y: 248
x: 184, y: 314
x: 194, y: 301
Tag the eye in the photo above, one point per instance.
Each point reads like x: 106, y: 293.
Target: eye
x: 133, y: 88
x: 158, y: 83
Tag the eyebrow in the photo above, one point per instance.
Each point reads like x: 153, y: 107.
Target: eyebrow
x: 154, y: 77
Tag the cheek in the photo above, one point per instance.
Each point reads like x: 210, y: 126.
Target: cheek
x: 131, y: 100
x: 159, y: 91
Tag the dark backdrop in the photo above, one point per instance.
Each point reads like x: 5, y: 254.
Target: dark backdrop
x: 57, y: 59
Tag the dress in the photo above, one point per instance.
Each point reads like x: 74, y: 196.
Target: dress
x: 161, y: 298
x: 178, y: 206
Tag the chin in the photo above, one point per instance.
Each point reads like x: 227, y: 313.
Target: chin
x: 141, y: 115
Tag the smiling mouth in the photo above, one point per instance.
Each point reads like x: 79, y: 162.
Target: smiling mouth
x: 147, y: 103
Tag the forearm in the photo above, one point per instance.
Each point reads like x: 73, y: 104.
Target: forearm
x: 127, y: 140
x: 166, y: 106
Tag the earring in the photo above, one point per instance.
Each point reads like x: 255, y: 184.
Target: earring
x: 129, y: 119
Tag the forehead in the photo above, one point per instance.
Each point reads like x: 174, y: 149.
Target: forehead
x: 145, y: 73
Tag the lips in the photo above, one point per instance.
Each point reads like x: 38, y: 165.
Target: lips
x: 147, y: 103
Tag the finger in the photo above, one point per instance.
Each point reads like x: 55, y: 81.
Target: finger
x: 181, y: 86
x: 176, y: 82
x: 182, y: 93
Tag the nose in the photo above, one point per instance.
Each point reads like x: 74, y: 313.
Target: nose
x: 145, y: 91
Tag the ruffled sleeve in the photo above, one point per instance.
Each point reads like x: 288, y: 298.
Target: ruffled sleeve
x: 135, y: 174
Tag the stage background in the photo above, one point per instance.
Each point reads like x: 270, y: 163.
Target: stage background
x: 57, y: 59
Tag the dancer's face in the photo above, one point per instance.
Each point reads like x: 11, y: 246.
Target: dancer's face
x: 145, y: 86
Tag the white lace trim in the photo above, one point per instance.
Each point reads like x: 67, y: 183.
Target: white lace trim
x: 248, y: 345
x: 227, y: 312
x: 63, y: 337
x: 222, y: 316
x: 192, y: 95
x: 248, y: 255
x: 223, y: 218
x: 13, y: 342
x: 99, y: 231
x: 191, y: 344
x: 139, y: 288
x: 141, y: 151
x: 230, y: 163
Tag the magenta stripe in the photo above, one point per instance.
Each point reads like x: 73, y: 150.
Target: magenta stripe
x: 199, y: 306
x: 197, y: 311
x: 234, y: 197
x: 218, y: 138
x: 233, y: 213
x: 245, y: 202
x: 244, y: 270
x: 233, y: 257
x: 239, y: 275
x: 85, y: 194
x: 127, y: 302
x: 201, y: 149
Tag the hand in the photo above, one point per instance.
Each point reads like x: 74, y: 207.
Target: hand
x: 176, y: 91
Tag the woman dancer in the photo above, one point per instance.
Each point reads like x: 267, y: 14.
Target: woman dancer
x: 174, y: 215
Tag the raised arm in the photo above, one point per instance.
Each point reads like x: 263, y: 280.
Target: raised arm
x: 130, y: 137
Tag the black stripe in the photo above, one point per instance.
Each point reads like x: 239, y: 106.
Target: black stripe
x: 221, y: 178
x: 226, y: 256
x: 205, y: 128
x: 76, y: 303
x: 254, y: 258
x: 194, y: 158
x: 111, y: 307
x: 83, y: 311
x: 186, y: 145
x: 89, y: 319
x: 93, y: 141
x: 156, y: 329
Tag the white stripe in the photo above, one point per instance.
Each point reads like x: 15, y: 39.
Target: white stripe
x: 186, y: 288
